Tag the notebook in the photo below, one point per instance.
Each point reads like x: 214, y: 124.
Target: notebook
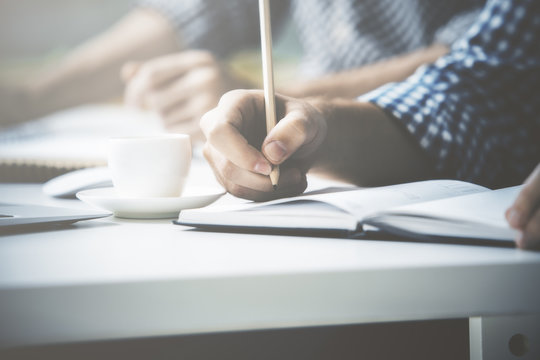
x: 433, y: 210
x: 71, y: 139
x: 19, y: 215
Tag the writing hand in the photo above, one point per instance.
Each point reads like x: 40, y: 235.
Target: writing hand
x: 524, y: 214
x: 236, y: 131
x: 179, y: 87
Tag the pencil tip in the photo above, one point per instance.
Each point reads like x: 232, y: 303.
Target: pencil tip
x: 275, y: 187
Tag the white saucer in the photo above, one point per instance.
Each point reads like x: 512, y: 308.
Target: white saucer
x: 149, y: 208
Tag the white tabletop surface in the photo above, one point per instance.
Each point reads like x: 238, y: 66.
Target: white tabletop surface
x: 117, y: 278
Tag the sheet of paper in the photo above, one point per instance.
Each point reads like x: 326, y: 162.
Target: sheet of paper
x: 365, y: 201
x: 481, y: 208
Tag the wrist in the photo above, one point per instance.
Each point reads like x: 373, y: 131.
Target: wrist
x: 354, y: 132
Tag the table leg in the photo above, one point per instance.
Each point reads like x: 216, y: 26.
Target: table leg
x: 505, y: 337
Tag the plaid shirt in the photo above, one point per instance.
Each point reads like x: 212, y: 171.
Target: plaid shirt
x: 476, y: 111
x: 334, y: 34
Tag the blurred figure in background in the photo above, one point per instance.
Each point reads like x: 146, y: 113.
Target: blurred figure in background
x: 172, y: 54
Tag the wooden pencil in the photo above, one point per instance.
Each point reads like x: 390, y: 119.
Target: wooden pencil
x: 268, y: 76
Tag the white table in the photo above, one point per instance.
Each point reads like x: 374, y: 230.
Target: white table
x: 112, y: 278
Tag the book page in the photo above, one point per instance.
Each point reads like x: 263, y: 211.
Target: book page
x: 484, y: 208
x: 357, y: 202
x: 333, y: 208
x: 364, y: 201
x: 478, y: 216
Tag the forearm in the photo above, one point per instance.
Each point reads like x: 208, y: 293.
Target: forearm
x: 92, y: 72
x: 367, y: 147
x: 355, y: 82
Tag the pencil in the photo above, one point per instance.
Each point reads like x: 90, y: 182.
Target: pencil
x: 268, y: 77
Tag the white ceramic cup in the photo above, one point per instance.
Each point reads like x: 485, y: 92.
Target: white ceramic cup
x: 150, y: 166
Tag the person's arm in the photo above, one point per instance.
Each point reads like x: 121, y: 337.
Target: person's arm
x: 355, y: 82
x: 367, y: 147
x: 91, y: 73
x: 524, y: 214
x: 350, y: 140
x: 182, y: 87
x: 474, y: 111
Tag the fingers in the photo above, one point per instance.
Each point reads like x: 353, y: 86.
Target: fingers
x: 524, y: 214
x: 129, y: 70
x: 527, y: 200
x: 229, y: 171
x: 252, y: 186
x: 179, y: 101
x: 222, y: 128
x: 530, y: 235
x: 144, y: 80
x: 299, y: 132
x: 235, y: 131
x: 160, y: 70
x: 199, y: 85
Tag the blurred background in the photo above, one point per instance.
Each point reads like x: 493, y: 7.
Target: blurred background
x: 32, y: 27
x: 35, y: 32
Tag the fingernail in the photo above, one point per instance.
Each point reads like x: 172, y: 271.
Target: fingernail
x: 275, y: 151
x: 514, y: 217
x: 262, y: 167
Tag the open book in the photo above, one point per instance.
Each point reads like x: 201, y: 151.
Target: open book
x: 431, y: 210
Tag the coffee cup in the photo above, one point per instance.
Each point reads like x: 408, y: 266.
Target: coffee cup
x: 150, y: 166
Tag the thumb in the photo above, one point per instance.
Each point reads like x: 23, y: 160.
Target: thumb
x: 299, y: 133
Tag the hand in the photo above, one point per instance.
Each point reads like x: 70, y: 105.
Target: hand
x: 179, y: 87
x: 236, y: 131
x: 524, y: 214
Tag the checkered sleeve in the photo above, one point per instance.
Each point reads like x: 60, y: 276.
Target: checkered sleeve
x: 475, y: 111
x: 222, y: 26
